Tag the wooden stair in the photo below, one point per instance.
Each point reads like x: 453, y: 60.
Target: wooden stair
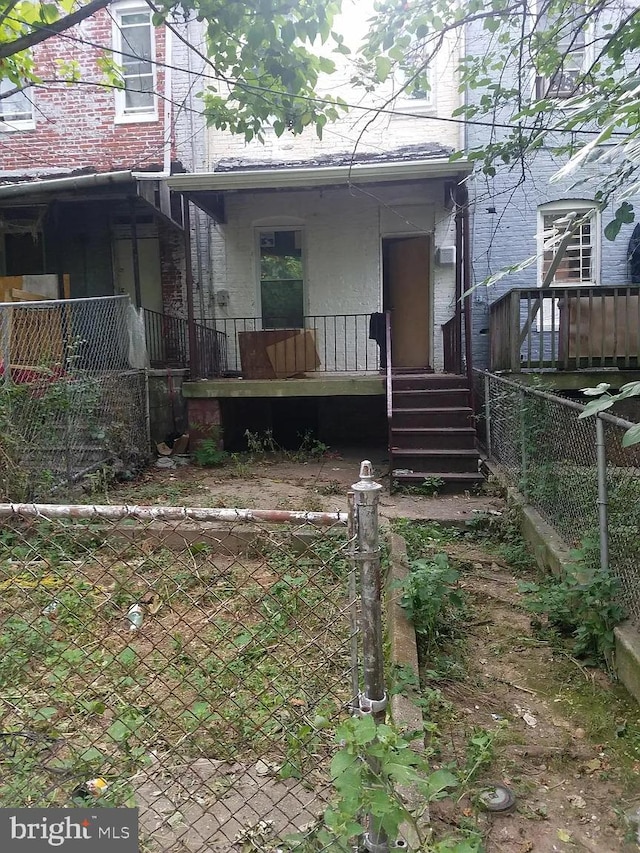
x: 432, y: 436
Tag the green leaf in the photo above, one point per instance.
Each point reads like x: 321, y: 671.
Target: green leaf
x: 438, y: 782
x: 631, y: 436
x: 383, y: 68
x: 612, y: 229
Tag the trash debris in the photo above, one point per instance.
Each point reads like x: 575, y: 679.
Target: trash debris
x: 577, y: 801
x: 135, y: 617
x: 91, y: 789
x: 51, y: 610
x: 265, y: 768
x: 527, y: 716
x: 497, y: 798
x: 165, y: 462
x: 398, y: 472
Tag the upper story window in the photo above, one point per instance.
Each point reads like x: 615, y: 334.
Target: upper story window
x: 416, y: 78
x: 570, y: 51
x: 16, y: 111
x: 134, y: 50
x: 579, y: 264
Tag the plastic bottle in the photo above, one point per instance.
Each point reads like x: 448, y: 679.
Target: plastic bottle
x: 135, y: 616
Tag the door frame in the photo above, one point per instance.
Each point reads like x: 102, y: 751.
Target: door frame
x: 384, y: 294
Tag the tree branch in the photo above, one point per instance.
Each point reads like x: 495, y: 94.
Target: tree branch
x: 41, y: 32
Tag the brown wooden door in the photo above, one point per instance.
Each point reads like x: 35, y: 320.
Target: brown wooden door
x: 409, y: 295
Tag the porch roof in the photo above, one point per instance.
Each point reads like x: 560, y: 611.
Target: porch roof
x: 207, y: 189
x: 301, y: 177
x: 149, y: 188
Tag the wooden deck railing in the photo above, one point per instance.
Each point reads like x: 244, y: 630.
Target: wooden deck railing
x: 565, y: 328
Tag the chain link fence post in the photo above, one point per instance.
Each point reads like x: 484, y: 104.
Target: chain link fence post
x: 367, y: 552
x: 603, y: 498
x: 523, y: 444
x: 487, y: 413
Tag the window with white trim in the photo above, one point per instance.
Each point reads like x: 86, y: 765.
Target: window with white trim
x: 580, y: 261
x: 16, y: 111
x: 574, y: 54
x: 282, y: 279
x: 578, y: 264
x: 134, y: 51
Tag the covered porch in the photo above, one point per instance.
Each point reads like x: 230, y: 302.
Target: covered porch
x: 308, y: 258
x: 106, y: 234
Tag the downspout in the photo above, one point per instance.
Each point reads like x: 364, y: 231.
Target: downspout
x: 193, y: 343
x: 198, y: 220
x: 458, y: 289
x: 466, y: 278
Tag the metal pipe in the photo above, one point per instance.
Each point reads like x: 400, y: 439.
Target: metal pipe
x: 467, y: 305
x: 571, y: 404
x: 135, y: 258
x: 457, y: 330
x: 367, y: 493
x: 194, y: 361
x: 107, y: 512
x: 55, y: 303
x: 603, y: 501
x: 487, y: 411
x: 523, y: 445
x: 353, y: 603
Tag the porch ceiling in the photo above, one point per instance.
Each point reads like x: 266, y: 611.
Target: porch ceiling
x: 149, y: 190
x: 207, y: 188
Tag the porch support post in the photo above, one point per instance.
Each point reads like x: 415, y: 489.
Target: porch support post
x: 134, y: 251
x: 466, y: 281
x: 194, y: 362
x: 457, y: 331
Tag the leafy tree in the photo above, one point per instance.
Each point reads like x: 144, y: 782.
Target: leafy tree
x: 560, y: 75
x: 261, y: 52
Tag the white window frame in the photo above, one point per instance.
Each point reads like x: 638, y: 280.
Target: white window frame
x: 540, y: 83
x: 12, y: 125
x: 566, y: 206
x: 121, y: 114
x: 267, y: 229
x: 409, y: 103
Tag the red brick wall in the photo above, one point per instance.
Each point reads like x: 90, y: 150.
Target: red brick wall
x: 75, y: 126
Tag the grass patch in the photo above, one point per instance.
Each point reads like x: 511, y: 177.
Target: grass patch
x: 237, y: 656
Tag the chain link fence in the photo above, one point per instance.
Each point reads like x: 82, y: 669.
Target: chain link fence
x: 191, y: 662
x: 72, y: 393
x: 576, y: 473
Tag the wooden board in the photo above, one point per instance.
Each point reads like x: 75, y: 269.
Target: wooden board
x: 34, y: 337
x: 609, y: 327
x: 295, y: 354
x: 254, y: 361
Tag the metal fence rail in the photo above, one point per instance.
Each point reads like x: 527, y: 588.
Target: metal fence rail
x: 72, y: 392
x: 574, y: 472
x: 191, y: 662
x: 336, y: 343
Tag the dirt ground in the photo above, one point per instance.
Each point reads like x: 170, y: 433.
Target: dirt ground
x: 317, y: 484
x: 570, y: 749
x: 570, y: 746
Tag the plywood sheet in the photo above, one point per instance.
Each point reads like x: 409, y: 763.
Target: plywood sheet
x: 295, y: 354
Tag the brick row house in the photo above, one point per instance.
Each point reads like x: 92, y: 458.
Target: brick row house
x: 321, y: 250
x: 85, y: 210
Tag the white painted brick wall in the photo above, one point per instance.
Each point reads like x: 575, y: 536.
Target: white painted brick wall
x: 364, y: 128
x: 342, y: 248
